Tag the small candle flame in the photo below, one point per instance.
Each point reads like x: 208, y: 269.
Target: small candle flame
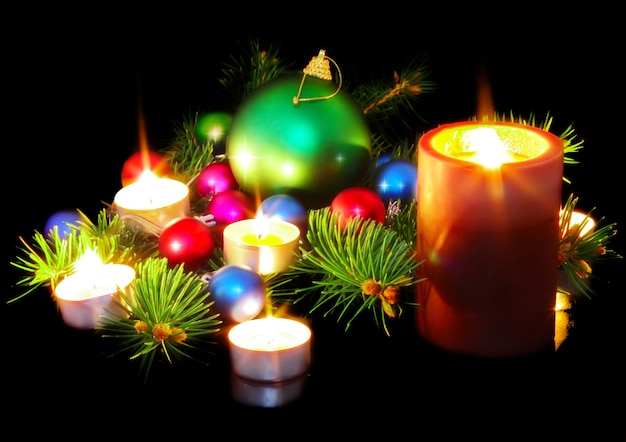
x: 485, y: 109
x: 88, y: 262
x: 147, y: 177
x: 148, y: 181
x: 261, y: 227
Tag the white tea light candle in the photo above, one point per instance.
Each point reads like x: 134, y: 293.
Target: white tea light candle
x: 83, y: 297
x: 150, y: 203
x: 270, y: 250
x: 270, y: 349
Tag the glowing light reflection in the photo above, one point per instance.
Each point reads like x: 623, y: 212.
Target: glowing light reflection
x: 287, y: 169
x: 486, y: 147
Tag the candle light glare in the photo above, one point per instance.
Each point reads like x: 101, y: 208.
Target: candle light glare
x: 88, y: 262
x: 147, y: 177
x: 288, y: 169
x: 216, y: 133
x: 261, y: 226
x: 581, y: 221
x: 487, y: 148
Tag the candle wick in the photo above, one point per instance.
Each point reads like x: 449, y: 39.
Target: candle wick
x: 261, y: 236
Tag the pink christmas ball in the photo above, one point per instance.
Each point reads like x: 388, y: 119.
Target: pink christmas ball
x: 230, y: 206
x: 215, y: 178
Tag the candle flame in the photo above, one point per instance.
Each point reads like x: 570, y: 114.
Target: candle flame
x: 487, y: 147
x: 88, y: 262
x: 484, y: 97
x: 143, y: 139
x: 261, y: 226
x: 148, y: 180
x: 147, y: 177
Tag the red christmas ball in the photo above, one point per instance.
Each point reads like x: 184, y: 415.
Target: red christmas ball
x: 358, y: 201
x: 230, y: 206
x: 215, y: 178
x: 139, y: 162
x: 187, y: 241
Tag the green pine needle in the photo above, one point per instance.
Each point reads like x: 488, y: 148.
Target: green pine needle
x: 170, y: 316
x: 568, y: 136
x: 388, y: 103
x: 49, y: 258
x: 187, y: 154
x: 361, y: 267
x: 578, y: 252
x: 245, y: 73
x: 403, y: 220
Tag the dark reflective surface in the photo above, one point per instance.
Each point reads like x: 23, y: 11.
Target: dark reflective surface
x: 75, y: 122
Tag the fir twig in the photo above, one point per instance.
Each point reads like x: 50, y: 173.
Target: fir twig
x: 49, y: 258
x: 403, y: 220
x: 243, y: 74
x: 568, y: 136
x: 188, y: 155
x: 388, y: 104
x: 578, y: 251
x: 170, y: 316
x: 360, y: 267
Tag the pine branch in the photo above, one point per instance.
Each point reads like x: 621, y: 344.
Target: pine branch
x: 243, y: 74
x: 170, y: 316
x: 403, y: 220
x: 188, y: 155
x: 361, y: 267
x: 49, y: 258
x: 579, y: 251
x: 570, y: 144
x: 388, y: 105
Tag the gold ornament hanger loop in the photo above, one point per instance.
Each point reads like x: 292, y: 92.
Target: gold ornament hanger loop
x: 319, y: 67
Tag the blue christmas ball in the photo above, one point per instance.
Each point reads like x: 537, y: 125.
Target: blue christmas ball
x: 61, y: 219
x: 238, y: 293
x: 285, y: 208
x: 383, y: 158
x: 396, y: 179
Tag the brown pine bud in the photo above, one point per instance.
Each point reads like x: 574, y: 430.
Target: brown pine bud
x: 370, y: 287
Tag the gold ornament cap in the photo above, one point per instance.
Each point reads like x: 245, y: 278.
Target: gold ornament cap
x: 318, y: 67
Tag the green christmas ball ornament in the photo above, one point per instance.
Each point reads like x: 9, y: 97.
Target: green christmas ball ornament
x: 310, y: 150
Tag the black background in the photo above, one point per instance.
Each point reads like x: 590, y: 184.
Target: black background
x: 75, y: 82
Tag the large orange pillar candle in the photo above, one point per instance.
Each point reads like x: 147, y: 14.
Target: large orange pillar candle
x: 488, y: 196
